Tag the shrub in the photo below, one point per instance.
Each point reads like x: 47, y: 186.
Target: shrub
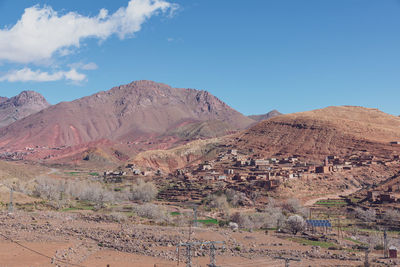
x: 56, y: 190
x: 368, y: 215
x: 261, y: 220
x: 117, y: 217
x: 295, y: 224
x: 391, y: 216
x: 219, y: 202
x: 152, y: 211
x: 49, y: 189
x: 294, y: 206
x: 235, y: 198
x: 144, y: 191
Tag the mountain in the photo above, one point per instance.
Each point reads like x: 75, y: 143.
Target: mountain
x: 340, y: 131
x: 262, y: 117
x: 139, y: 112
x: 20, y: 106
x: 332, y: 130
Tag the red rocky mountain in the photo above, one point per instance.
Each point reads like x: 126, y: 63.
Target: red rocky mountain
x: 141, y: 110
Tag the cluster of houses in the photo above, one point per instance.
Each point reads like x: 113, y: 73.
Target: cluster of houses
x: 386, y: 194
x: 237, y: 168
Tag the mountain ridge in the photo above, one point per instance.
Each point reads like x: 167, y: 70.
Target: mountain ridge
x: 126, y: 113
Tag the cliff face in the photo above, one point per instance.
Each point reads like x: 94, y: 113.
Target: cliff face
x: 20, y: 106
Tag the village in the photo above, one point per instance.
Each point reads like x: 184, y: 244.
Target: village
x: 247, y: 172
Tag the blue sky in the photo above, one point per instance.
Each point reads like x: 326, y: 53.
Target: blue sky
x: 255, y: 55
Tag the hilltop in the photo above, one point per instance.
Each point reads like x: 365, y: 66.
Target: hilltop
x: 330, y: 131
x: 20, y: 106
x: 266, y: 116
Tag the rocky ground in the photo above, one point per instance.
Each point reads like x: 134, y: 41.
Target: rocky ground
x: 85, y: 239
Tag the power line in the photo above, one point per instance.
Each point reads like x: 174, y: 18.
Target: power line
x: 39, y: 253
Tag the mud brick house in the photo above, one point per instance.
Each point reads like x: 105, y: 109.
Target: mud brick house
x: 259, y: 162
x: 373, y: 195
x: 322, y: 169
x: 239, y: 177
x: 232, y: 152
x: 228, y: 171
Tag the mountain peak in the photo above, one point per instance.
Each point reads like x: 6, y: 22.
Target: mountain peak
x: 29, y: 97
x: 21, y: 106
x: 126, y: 113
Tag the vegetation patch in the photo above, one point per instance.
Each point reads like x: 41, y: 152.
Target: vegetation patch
x: 209, y: 221
x: 331, y: 202
x: 72, y: 173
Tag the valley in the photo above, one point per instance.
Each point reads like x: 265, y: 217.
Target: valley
x: 150, y: 168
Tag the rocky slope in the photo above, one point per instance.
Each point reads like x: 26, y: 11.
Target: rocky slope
x: 313, y: 134
x: 141, y: 110
x: 332, y: 130
x: 179, y: 157
x: 20, y: 106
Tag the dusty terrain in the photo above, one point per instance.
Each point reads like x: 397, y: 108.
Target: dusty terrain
x: 40, y: 238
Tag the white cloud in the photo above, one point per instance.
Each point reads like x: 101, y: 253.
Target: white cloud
x: 41, y: 32
x: 28, y: 75
x: 90, y: 66
x: 83, y: 66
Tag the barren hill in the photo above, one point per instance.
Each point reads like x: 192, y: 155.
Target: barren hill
x: 141, y: 110
x: 20, y: 106
x: 266, y: 116
x: 332, y: 130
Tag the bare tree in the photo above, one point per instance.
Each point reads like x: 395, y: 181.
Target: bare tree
x: 219, y: 202
x: 294, y: 206
x: 234, y: 197
x: 391, y: 215
x: 368, y: 215
x: 153, y: 212
x: 295, y: 224
x: 144, y: 191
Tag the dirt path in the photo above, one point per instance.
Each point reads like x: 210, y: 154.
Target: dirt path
x: 312, y: 201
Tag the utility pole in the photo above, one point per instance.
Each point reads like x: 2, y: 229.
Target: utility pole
x: 188, y: 246
x: 11, y: 204
x: 287, y: 260
x: 366, y: 262
x: 195, y: 216
x: 213, y: 248
x: 385, y: 244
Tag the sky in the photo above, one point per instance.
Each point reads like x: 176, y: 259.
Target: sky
x: 255, y: 55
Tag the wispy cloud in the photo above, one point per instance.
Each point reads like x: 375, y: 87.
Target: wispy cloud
x: 83, y: 66
x: 28, y: 75
x: 90, y: 66
x: 41, y: 33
